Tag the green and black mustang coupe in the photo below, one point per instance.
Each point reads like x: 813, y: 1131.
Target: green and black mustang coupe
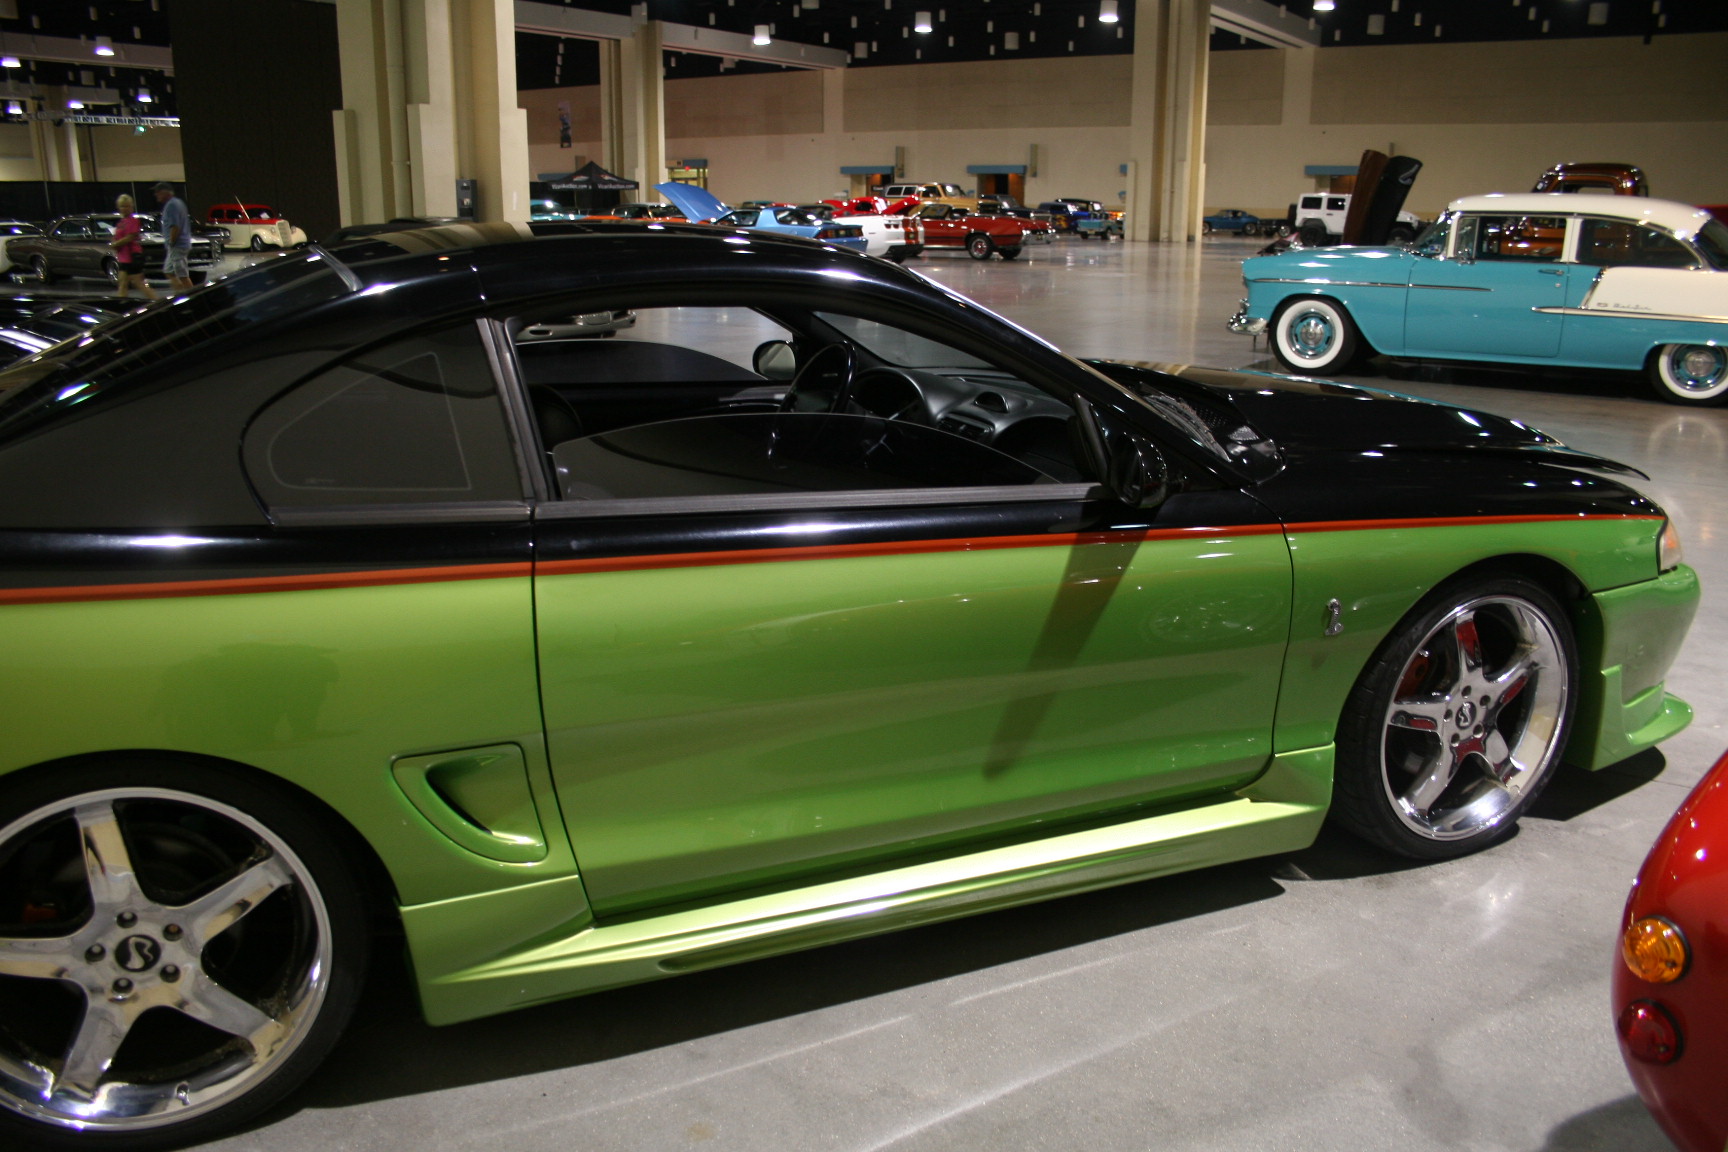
x: 362, y: 588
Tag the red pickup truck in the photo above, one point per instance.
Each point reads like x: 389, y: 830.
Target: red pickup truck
x: 949, y: 226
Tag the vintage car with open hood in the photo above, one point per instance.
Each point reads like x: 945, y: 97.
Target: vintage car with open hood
x: 699, y: 204
x: 1537, y: 278
x: 816, y: 602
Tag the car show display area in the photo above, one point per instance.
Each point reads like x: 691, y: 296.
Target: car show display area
x: 1290, y: 941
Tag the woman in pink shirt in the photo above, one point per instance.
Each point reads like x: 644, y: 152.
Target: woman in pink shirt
x: 128, y: 251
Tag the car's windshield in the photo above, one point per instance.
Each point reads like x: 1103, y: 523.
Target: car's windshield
x: 897, y: 346
x: 1432, y: 241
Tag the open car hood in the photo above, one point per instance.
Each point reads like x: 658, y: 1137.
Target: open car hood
x: 697, y: 204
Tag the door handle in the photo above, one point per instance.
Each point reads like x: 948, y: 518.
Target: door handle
x: 1552, y: 271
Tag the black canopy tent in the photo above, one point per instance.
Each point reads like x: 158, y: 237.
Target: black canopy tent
x: 596, y: 189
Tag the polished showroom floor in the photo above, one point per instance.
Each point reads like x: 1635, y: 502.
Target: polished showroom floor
x: 1336, y: 999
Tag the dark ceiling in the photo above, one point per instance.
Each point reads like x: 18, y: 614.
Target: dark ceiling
x: 964, y: 30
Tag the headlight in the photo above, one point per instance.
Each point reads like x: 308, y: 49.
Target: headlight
x: 1668, y: 553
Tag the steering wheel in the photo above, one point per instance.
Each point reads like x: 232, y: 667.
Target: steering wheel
x: 823, y: 382
x: 904, y: 396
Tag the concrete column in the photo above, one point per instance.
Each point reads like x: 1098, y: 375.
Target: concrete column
x: 1167, y: 120
x: 642, y: 108
x: 491, y: 131
x: 48, y: 144
x: 612, y: 110
x: 429, y: 95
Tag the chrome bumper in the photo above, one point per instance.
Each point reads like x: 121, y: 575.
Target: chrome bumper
x: 1038, y: 238
x: 1242, y: 324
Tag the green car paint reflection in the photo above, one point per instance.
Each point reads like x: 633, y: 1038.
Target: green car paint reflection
x: 722, y: 727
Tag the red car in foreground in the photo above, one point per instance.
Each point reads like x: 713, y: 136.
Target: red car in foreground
x: 1671, y: 984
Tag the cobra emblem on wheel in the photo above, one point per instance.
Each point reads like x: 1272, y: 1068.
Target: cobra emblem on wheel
x: 137, y: 953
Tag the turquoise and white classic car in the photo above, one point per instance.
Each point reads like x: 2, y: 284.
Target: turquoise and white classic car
x: 1542, y: 279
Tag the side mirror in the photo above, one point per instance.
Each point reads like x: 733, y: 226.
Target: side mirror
x: 1128, y: 465
x: 775, y: 360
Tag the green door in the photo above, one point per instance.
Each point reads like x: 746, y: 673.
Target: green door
x: 775, y: 695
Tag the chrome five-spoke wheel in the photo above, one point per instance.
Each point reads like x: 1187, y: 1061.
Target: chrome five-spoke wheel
x: 164, y: 955
x: 1459, y: 722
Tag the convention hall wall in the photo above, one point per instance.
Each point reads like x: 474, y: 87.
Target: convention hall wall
x: 1481, y: 116
x: 107, y: 152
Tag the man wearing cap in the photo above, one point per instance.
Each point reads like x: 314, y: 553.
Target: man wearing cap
x: 177, y: 235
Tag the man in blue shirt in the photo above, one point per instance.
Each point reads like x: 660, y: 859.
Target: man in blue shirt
x: 177, y: 234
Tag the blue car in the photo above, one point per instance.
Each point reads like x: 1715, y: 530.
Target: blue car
x: 700, y: 205
x: 1610, y: 282
x: 1235, y: 220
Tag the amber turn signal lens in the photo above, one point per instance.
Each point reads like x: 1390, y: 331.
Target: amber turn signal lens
x: 1654, y: 950
x: 1649, y: 1033
x: 1668, y: 551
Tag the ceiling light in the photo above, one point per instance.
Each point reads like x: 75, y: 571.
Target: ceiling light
x: 144, y: 96
x: 761, y: 36
x: 9, y: 62
x: 1598, y: 14
x: 1376, y: 24
x: 104, y: 46
x: 14, y: 108
x: 1107, y: 12
x: 75, y: 105
x: 861, y: 51
x: 1011, y: 41
x: 921, y: 22
x: 1325, y: 5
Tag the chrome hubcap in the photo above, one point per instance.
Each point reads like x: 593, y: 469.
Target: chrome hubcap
x: 120, y: 904
x: 1699, y: 368
x: 1312, y: 335
x: 1475, y: 718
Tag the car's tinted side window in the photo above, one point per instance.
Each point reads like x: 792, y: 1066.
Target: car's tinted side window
x: 680, y: 402
x: 416, y: 421
x: 1621, y: 243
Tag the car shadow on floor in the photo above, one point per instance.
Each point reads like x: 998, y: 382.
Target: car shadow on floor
x: 389, y: 1051
x: 1622, y: 1125
x: 1574, y: 791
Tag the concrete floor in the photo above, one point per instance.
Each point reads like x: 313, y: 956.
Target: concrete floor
x: 1335, y: 999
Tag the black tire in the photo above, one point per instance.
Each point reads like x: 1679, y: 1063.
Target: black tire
x: 257, y: 244
x: 1205, y: 228
x: 1312, y: 233
x: 186, y: 844
x: 1692, y: 374
x: 1011, y: 253
x: 1400, y: 234
x: 111, y: 270
x: 39, y: 268
x: 980, y: 246
x: 1425, y: 768
x: 1313, y: 336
